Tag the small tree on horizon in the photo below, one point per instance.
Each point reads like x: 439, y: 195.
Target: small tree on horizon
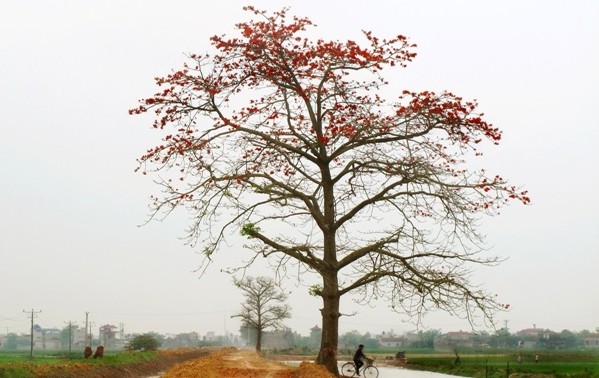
x: 287, y: 141
x: 145, y: 342
x: 264, y: 306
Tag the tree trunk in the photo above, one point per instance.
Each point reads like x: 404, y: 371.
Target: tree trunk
x: 259, y: 340
x: 327, y: 355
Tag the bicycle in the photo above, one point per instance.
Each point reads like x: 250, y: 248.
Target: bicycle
x: 368, y: 370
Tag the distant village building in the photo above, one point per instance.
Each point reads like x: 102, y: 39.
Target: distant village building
x: 315, y: 331
x: 79, y: 335
x: 108, y: 336
x: 278, y: 339
x: 534, y: 332
x: 210, y: 336
x: 391, y: 341
x: 529, y: 337
x: 315, y: 335
x: 591, y: 341
x: 190, y: 339
x: 46, y: 338
x: 454, y: 340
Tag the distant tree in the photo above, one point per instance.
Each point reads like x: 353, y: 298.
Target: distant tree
x: 426, y: 338
x: 158, y: 336
x: 67, y: 335
x: 351, y: 339
x: 305, y: 343
x: 147, y: 341
x: 503, y: 339
x: 248, y: 333
x: 562, y: 340
x: 370, y: 341
x: 289, y: 337
x: 482, y: 339
x: 290, y: 142
x: 264, y: 306
x: 570, y: 339
x: 11, y: 342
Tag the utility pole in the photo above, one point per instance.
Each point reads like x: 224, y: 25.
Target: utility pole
x: 32, y: 315
x: 70, y: 336
x: 506, y: 335
x: 91, y: 334
x: 86, y: 318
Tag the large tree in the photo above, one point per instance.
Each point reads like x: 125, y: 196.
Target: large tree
x: 264, y: 306
x: 288, y: 141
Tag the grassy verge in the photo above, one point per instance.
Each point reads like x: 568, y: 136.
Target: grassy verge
x: 19, y: 365
x: 499, y: 366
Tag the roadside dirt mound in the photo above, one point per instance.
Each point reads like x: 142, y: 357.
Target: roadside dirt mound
x: 236, y: 363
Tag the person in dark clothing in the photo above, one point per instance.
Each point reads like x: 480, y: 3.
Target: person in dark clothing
x: 358, y: 357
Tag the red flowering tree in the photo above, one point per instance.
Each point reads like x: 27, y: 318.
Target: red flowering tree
x: 285, y: 140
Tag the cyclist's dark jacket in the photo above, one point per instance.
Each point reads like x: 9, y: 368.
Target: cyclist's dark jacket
x: 359, y: 355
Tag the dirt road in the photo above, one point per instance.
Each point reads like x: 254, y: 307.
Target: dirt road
x: 237, y: 363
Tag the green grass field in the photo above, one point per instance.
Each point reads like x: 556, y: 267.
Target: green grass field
x: 554, y: 364
x: 65, y: 357
x: 18, y: 364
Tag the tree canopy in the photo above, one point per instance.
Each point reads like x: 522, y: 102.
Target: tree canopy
x: 146, y: 341
x: 287, y: 141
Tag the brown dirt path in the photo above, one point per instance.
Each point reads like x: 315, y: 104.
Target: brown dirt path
x: 188, y: 363
x: 238, y: 363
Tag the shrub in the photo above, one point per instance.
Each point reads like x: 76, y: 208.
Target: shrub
x: 143, y: 342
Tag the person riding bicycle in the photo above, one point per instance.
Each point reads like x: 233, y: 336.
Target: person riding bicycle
x: 358, y: 357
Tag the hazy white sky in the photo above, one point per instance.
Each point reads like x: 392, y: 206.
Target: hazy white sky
x: 71, y: 204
